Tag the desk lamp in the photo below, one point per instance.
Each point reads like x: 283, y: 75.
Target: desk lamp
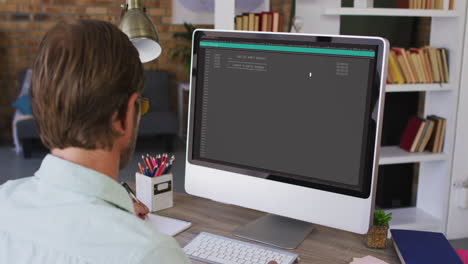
x: 140, y: 30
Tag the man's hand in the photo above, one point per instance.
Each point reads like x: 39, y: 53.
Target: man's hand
x: 140, y: 209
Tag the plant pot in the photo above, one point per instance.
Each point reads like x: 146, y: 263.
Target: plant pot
x: 377, y: 237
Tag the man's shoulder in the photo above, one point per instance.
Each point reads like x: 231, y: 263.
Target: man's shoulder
x: 80, y: 221
x: 9, y: 187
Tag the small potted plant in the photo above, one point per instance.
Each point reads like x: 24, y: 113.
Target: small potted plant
x: 377, y: 235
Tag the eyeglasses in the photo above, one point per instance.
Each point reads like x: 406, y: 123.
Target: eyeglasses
x: 144, y: 105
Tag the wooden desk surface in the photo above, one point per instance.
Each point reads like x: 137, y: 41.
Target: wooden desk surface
x: 323, y: 245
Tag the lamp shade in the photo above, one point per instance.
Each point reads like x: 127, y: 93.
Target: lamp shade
x: 140, y: 30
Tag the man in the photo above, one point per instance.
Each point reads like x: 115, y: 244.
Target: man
x: 85, y: 95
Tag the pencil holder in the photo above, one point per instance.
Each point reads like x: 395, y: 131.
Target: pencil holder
x: 155, y: 192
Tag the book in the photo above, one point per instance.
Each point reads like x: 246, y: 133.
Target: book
x: 423, y: 65
x: 238, y: 23
x: 404, y: 64
x: 440, y: 65
x: 429, y: 4
x: 415, y: 247
x: 275, y: 24
x: 445, y: 64
x: 257, y: 22
x: 419, y: 134
x: 264, y: 21
x: 413, y: 66
x: 442, y: 135
x: 417, y: 67
x: 269, y: 21
x: 419, y: 4
x: 432, y: 54
x: 427, y: 65
x: 410, y: 133
x: 390, y: 78
x: 426, y: 136
x: 433, y: 144
x: 395, y: 69
x: 251, y: 22
x: 402, y: 3
x: 245, y: 21
x: 417, y: 57
x: 423, y: 4
x: 411, y: 70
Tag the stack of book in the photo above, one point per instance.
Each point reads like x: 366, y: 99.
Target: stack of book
x: 424, y: 65
x: 424, y: 134
x: 265, y: 21
x: 414, y: 246
x: 423, y: 4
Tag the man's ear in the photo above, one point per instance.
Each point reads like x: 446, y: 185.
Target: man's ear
x: 126, y: 122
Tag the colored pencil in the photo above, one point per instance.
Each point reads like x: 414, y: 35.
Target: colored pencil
x: 141, y: 168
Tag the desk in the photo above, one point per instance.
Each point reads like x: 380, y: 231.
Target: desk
x: 323, y: 245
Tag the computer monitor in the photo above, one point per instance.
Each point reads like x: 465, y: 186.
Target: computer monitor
x: 287, y: 124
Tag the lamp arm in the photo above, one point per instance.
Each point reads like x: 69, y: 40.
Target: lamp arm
x: 134, y: 4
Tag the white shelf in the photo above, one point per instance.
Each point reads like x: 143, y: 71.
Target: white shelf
x: 395, y: 155
x: 414, y: 219
x: 400, y: 12
x: 422, y: 87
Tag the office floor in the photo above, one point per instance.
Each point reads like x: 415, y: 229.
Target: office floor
x: 13, y: 166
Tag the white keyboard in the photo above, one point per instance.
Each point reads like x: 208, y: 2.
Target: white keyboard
x: 216, y: 249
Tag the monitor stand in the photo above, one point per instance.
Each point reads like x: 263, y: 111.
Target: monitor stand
x: 275, y: 230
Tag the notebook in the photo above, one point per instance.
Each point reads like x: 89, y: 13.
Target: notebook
x: 166, y: 225
x: 419, y: 247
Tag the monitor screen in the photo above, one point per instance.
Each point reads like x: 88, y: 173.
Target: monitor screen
x: 295, y: 109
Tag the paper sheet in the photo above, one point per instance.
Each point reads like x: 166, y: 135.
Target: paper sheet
x: 167, y: 225
x: 368, y: 260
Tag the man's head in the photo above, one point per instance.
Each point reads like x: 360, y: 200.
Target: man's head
x: 84, y: 88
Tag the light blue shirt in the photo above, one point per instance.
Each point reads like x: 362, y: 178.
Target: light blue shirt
x: 67, y: 213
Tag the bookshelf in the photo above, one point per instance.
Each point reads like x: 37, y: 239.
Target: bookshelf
x: 395, y: 12
x: 395, y: 155
x: 415, y: 218
x: 225, y: 12
x: 431, y: 87
x: 435, y: 169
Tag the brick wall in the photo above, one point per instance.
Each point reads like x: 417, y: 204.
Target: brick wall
x: 24, y: 22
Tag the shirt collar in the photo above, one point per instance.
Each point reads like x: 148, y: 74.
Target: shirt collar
x: 76, y: 178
